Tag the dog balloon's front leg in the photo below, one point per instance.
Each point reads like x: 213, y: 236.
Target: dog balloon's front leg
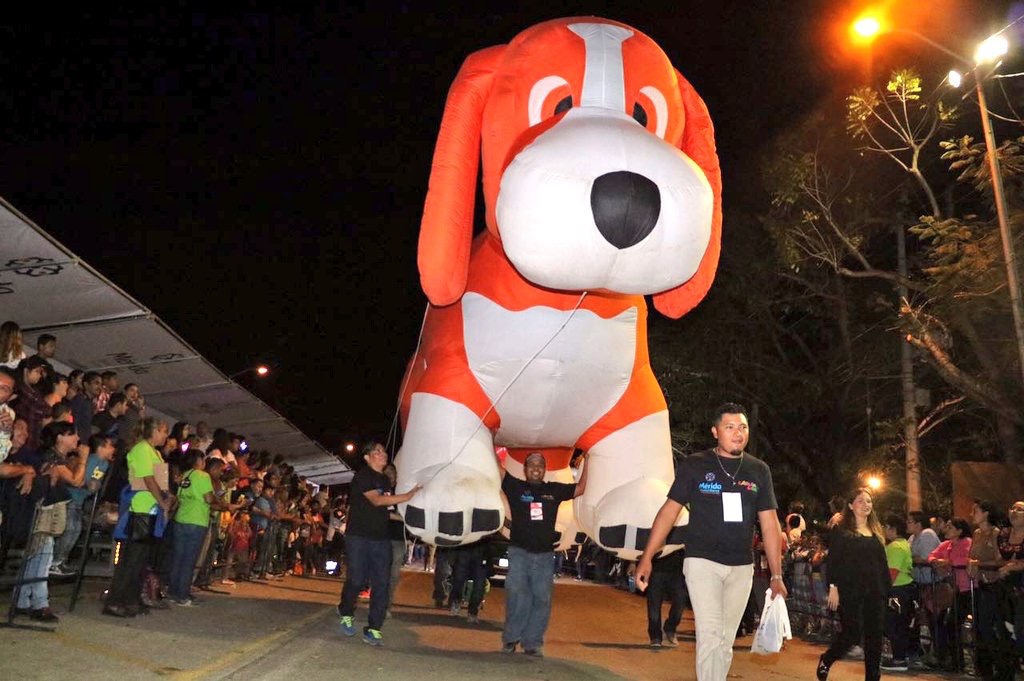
x: 449, y: 453
x: 630, y: 472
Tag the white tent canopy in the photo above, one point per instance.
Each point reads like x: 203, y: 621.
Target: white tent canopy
x: 46, y: 288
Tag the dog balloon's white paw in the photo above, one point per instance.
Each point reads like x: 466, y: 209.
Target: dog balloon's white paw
x: 457, y: 505
x: 622, y: 519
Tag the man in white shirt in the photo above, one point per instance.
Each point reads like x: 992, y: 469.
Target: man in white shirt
x: 923, y: 541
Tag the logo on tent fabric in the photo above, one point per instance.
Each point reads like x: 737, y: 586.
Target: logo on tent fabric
x: 36, y: 267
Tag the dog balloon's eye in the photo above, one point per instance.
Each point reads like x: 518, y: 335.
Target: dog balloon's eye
x: 563, y: 105
x: 640, y: 114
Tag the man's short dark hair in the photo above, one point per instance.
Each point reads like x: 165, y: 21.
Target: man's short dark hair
x: 129, y: 386
x: 96, y: 441
x: 896, y: 522
x: 59, y: 410
x: 49, y: 434
x: 919, y: 517
x: 44, y: 339
x: 727, y: 408
x: 116, y: 399
x: 33, y: 362
x: 9, y: 373
x: 50, y: 383
x: 108, y: 374
x: 89, y: 376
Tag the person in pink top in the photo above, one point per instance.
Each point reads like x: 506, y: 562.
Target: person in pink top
x: 953, y: 554
x: 950, y: 558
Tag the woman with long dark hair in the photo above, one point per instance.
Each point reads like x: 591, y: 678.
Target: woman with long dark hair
x: 55, y: 474
x: 858, y: 581
x: 993, y: 641
x: 30, y: 405
x: 191, y: 523
x: 1011, y: 548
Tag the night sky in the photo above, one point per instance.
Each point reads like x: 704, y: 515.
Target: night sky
x: 255, y: 177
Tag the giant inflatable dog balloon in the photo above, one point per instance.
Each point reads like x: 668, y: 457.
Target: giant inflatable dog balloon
x: 601, y: 185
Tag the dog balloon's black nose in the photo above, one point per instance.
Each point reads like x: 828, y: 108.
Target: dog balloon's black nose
x: 625, y: 206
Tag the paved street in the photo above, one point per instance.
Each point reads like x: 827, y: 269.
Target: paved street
x: 288, y: 630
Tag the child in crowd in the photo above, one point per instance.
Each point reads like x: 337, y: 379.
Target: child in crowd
x: 240, y: 543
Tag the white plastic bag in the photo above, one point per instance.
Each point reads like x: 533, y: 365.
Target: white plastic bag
x: 774, y: 627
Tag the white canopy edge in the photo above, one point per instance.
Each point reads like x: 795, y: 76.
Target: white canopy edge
x: 46, y: 288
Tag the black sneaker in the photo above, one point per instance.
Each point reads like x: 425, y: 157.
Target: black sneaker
x: 509, y: 648
x: 895, y: 666
x: 822, y: 671
x: 655, y: 643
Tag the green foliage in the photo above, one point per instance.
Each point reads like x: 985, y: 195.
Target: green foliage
x: 905, y: 85
x: 970, y: 160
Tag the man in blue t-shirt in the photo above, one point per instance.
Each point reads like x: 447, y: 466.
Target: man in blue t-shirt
x: 263, y: 512
x: 100, y: 453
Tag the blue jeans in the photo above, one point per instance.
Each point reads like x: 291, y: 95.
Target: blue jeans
x: 67, y: 541
x: 369, y: 562
x: 528, y: 597
x: 36, y: 594
x: 188, y: 540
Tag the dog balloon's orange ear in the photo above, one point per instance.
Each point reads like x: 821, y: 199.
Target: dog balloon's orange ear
x: 699, y: 144
x: 446, y: 231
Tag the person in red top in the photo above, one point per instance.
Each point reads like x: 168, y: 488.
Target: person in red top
x: 240, y: 538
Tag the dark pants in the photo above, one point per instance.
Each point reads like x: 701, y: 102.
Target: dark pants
x: 994, y: 645
x: 188, y: 540
x: 665, y: 586
x: 442, y: 570
x: 948, y: 622
x: 126, y: 584
x: 898, y: 615
x: 860, y: 616
x: 369, y: 562
x: 469, y: 563
x: 264, y: 550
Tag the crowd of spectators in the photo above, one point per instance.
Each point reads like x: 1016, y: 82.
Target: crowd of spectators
x: 956, y: 591
x: 189, y: 506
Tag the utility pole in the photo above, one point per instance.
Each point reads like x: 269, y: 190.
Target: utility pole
x: 1004, y: 224
x: 909, y: 390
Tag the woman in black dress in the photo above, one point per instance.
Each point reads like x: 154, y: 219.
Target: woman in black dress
x: 858, y: 579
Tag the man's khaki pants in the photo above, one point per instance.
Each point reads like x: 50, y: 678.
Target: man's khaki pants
x: 718, y: 594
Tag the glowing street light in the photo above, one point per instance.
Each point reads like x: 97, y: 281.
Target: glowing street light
x: 349, y: 447
x: 260, y: 370
x: 991, y: 49
x: 866, y: 27
x: 873, y: 482
x: 955, y: 78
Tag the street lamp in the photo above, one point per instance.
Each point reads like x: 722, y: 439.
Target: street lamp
x: 874, y: 482
x: 260, y: 370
